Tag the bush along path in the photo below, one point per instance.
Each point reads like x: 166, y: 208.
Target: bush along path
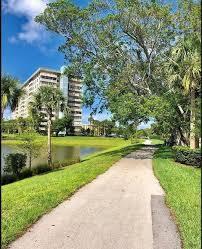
x: 113, y: 211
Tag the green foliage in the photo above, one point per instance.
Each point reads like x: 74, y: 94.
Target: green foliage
x: 7, y: 178
x: 115, y: 55
x: 99, y: 128
x: 9, y: 126
x: 63, y: 124
x: 27, y: 172
x: 36, y: 117
x: 58, y: 125
x: 10, y: 92
x: 21, y: 124
x: 143, y: 133
x: 85, y: 132
x: 47, y: 99
x: 41, y: 169
x: 187, y: 156
x: 30, y: 146
x: 63, y: 163
x: 14, y: 163
x: 131, y: 53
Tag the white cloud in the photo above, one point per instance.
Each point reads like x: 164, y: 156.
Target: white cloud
x: 30, y: 30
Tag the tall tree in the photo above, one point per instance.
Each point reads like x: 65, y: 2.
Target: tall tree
x: 109, y: 41
x: 10, y: 93
x: 50, y: 101
x: 120, y: 48
x: 185, y: 69
x: 184, y: 62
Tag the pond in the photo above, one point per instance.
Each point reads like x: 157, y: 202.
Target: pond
x: 59, y: 153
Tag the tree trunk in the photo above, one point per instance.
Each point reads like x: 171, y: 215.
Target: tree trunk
x: 104, y: 132
x: 49, y: 142
x: 197, y: 141
x: 2, y: 113
x: 30, y: 160
x: 192, y: 138
x: 183, y: 139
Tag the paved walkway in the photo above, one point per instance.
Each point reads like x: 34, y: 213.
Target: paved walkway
x: 121, y: 209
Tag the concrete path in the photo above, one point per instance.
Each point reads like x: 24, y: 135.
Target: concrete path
x: 112, y: 212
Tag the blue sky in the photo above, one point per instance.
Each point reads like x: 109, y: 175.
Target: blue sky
x: 26, y: 46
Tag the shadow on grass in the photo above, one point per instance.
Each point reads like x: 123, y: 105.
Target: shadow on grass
x: 164, y: 152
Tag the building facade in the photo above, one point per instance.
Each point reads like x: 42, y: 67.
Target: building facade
x: 71, y: 88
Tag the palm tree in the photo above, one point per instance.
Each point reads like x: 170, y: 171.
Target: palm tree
x: 51, y: 101
x: 91, y: 120
x: 185, y: 69
x: 11, y: 91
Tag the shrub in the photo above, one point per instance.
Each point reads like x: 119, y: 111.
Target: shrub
x: 6, y: 179
x: 41, y: 169
x: 135, y: 140
x: 155, y: 137
x: 26, y: 173
x: 14, y: 163
x: 187, y: 156
x: 59, y: 164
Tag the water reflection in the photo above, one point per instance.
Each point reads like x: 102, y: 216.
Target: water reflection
x: 60, y: 153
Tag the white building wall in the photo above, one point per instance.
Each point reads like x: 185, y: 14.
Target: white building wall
x: 70, y: 87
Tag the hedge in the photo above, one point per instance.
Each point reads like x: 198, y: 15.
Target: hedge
x: 40, y: 169
x: 187, y: 156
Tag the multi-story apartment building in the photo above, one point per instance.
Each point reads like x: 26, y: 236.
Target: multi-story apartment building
x: 70, y: 86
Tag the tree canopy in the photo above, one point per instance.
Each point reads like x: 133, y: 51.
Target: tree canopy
x: 133, y: 55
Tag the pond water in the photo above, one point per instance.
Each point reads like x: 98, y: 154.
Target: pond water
x: 59, y: 153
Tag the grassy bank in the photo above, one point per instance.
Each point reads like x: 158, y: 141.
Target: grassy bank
x: 72, y: 141
x: 182, y: 185
x: 157, y: 141
x: 24, y: 202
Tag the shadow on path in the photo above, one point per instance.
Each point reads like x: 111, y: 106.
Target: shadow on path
x: 145, y: 153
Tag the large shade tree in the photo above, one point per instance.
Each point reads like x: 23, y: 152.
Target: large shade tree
x: 49, y: 101
x: 121, y: 48
x: 110, y: 42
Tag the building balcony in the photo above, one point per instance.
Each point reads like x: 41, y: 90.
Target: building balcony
x: 78, y: 101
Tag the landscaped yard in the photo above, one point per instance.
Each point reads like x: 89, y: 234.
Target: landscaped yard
x: 23, y: 202
x: 182, y: 185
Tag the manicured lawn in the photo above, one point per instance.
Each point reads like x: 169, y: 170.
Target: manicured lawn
x: 74, y: 140
x: 25, y: 201
x: 182, y: 185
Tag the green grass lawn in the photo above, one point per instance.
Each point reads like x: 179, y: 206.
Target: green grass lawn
x: 157, y: 141
x: 25, y: 201
x: 182, y: 185
x: 73, y: 140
